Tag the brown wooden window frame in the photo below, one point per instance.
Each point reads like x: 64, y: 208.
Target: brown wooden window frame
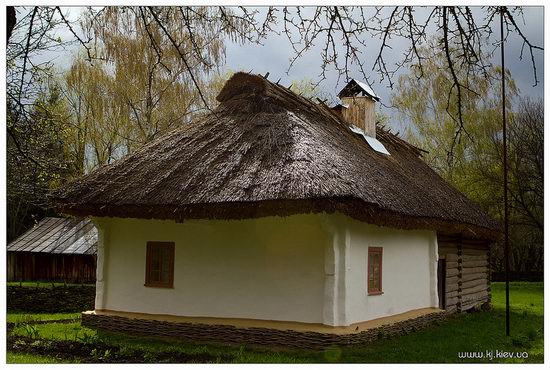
x: 378, y: 290
x: 151, y: 248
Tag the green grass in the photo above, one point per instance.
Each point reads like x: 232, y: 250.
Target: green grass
x: 43, y: 284
x: 523, y: 296
x: 63, y: 331
x: 481, y: 331
x: 74, y: 331
x: 240, y: 354
x: 26, y: 358
x: 27, y: 317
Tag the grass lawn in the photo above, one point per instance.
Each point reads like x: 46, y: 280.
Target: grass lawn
x: 475, y: 332
x: 26, y: 358
x: 27, y: 317
x: 64, y: 331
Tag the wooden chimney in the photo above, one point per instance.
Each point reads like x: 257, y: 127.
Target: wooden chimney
x: 358, y: 104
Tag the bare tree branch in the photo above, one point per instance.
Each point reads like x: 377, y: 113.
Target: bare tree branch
x: 183, y: 58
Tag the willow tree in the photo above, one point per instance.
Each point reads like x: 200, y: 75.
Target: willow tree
x: 160, y: 62
x: 428, y: 115
x: 133, y: 84
x: 98, y: 118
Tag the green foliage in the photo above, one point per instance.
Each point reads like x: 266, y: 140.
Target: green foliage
x: 36, y: 159
x: 532, y: 334
x: 430, y: 122
x: 31, y: 330
x: 333, y: 354
x: 140, y: 86
x: 100, y: 355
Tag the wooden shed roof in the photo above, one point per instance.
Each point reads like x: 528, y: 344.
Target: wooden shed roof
x: 266, y: 151
x: 58, y: 236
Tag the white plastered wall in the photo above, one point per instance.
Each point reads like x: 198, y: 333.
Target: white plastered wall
x: 269, y: 268
x: 304, y: 268
x: 100, y: 262
x: 409, y: 271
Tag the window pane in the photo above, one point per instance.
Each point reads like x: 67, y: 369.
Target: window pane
x: 155, y: 256
x: 374, y: 271
x: 165, y: 276
x: 164, y: 258
x: 160, y: 264
x: 154, y: 275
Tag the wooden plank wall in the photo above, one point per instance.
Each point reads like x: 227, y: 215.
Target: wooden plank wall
x: 361, y: 113
x: 468, y: 275
x: 27, y: 266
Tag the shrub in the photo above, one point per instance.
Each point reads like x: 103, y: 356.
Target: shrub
x: 532, y: 334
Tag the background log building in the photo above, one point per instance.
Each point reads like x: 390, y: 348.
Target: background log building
x: 56, y: 249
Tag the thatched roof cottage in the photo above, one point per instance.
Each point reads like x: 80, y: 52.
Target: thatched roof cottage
x: 274, y: 211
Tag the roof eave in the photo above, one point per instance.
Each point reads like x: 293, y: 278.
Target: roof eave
x: 351, y: 207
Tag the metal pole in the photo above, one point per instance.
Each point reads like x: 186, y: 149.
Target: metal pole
x: 505, y: 154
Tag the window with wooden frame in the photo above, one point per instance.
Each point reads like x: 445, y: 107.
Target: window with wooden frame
x: 159, y: 271
x: 374, y: 278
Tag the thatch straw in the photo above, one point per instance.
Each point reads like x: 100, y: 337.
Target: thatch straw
x: 266, y: 151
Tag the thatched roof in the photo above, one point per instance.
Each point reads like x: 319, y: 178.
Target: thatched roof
x: 266, y: 151
x: 58, y: 235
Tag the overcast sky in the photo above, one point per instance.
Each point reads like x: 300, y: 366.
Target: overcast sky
x: 275, y: 54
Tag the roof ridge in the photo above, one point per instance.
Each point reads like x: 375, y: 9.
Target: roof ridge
x: 261, y: 85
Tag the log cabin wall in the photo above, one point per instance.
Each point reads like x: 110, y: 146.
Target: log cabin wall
x: 73, y: 268
x: 467, y: 272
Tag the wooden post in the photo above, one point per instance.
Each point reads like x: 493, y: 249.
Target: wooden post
x: 489, y: 272
x: 505, y: 155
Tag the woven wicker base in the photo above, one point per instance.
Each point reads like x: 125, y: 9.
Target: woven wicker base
x: 227, y: 334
